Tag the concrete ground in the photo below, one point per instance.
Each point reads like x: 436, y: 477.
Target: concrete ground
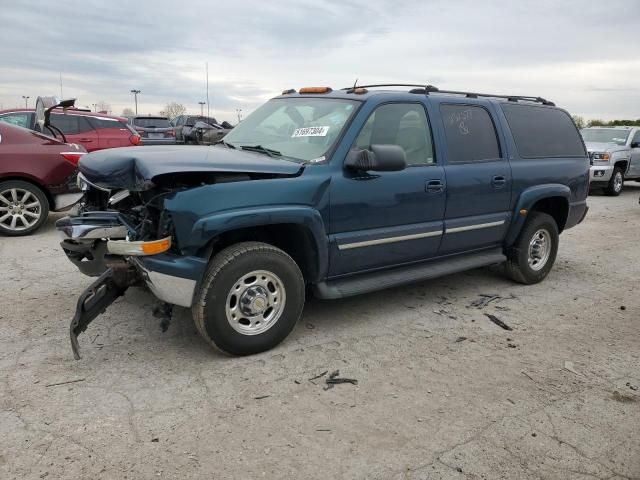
x: 442, y: 393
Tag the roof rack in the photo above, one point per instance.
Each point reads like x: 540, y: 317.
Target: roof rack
x: 426, y: 89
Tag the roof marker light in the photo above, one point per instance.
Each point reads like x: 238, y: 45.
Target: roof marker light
x: 315, y: 90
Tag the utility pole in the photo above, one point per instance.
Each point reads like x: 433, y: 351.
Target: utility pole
x: 239, y: 114
x: 26, y: 100
x: 135, y: 97
x: 201, y: 108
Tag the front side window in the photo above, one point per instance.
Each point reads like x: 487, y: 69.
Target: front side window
x: 302, y: 129
x: 19, y: 119
x: 470, y: 133
x: 402, y: 124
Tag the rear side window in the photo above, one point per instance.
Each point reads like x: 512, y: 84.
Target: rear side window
x: 105, y: 123
x: 543, y: 131
x: 151, y: 122
x: 471, y: 135
x: 70, y: 124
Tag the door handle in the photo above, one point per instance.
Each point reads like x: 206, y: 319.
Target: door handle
x: 498, y: 181
x: 86, y: 140
x: 434, y: 186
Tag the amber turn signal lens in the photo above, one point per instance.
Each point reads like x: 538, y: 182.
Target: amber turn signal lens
x: 158, y: 246
x: 315, y: 90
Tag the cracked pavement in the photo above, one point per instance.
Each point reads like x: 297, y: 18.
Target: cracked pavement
x: 555, y: 398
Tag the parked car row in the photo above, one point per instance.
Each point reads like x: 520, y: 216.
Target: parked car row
x: 94, y: 131
x: 199, y: 129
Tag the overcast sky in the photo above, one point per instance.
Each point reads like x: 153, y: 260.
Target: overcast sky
x: 583, y: 55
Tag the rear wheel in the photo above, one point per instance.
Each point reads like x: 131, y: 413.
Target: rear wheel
x: 23, y: 208
x: 534, y: 253
x: 250, y: 300
x: 614, y: 187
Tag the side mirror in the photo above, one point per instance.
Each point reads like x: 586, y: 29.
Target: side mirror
x: 635, y: 145
x: 380, y: 158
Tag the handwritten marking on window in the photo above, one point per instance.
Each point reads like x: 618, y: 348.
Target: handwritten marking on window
x: 461, y: 118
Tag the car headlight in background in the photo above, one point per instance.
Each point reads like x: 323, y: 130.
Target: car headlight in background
x: 602, y: 157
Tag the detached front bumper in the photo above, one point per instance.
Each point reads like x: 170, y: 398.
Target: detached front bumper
x: 86, y: 240
x: 600, y: 173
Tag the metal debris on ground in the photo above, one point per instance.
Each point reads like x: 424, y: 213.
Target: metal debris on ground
x: 486, y: 298
x: 334, y: 380
x: 65, y: 383
x: 460, y: 339
x: 261, y: 397
x: 497, y: 321
x: 318, y: 376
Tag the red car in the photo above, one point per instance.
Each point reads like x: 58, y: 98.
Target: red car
x: 37, y: 174
x: 94, y: 131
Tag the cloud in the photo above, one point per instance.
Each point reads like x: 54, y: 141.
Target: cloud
x: 560, y: 50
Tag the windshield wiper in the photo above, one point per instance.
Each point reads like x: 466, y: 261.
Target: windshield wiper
x: 261, y: 149
x: 226, y: 144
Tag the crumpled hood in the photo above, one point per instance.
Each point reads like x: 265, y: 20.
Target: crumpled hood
x: 134, y: 168
x: 604, y: 147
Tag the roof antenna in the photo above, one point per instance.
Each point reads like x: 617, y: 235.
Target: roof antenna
x: 354, y: 84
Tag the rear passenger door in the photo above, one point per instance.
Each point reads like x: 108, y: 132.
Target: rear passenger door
x: 76, y: 129
x: 478, y: 179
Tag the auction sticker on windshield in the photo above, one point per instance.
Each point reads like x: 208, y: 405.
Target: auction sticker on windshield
x: 310, y: 132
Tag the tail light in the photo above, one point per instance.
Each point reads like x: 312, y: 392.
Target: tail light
x: 72, y: 157
x: 134, y: 139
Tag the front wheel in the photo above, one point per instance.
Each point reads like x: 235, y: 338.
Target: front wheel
x: 534, y: 253
x: 251, y: 298
x: 614, y: 187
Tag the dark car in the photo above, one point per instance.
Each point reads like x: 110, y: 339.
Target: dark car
x: 94, y: 131
x: 37, y: 174
x: 334, y: 192
x: 153, y: 130
x: 184, y: 127
x: 207, y: 134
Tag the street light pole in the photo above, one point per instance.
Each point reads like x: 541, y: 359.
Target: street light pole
x: 26, y: 100
x: 239, y: 113
x: 135, y: 96
x: 202, y: 104
x: 95, y: 107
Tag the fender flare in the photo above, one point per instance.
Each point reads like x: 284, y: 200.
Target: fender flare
x: 205, y: 229
x: 528, y: 199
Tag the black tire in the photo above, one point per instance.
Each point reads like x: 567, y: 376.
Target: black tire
x: 216, y: 294
x: 616, y: 183
x: 518, y: 267
x: 8, y: 218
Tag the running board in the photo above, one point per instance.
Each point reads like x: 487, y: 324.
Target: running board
x: 381, y: 279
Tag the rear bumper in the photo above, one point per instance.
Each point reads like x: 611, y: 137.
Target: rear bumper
x: 577, y: 213
x: 171, y: 278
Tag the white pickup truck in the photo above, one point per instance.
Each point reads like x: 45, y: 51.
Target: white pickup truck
x: 615, y: 156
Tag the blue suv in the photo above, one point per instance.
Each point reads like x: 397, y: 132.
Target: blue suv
x: 331, y: 192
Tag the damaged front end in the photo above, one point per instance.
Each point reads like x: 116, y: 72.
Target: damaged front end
x: 125, y: 239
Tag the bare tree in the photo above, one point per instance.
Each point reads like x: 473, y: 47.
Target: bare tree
x: 128, y: 112
x: 579, y: 121
x: 103, y: 107
x: 173, y: 109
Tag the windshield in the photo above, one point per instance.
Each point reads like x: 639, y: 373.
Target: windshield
x: 301, y: 129
x: 605, y: 135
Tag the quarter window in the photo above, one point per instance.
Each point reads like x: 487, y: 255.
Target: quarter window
x: 470, y: 133
x: 540, y: 131
x: 402, y: 124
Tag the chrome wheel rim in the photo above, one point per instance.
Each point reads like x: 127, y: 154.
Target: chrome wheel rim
x: 255, y: 303
x: 20, y: 209
x: 617, y: 182
x: 539, y: 249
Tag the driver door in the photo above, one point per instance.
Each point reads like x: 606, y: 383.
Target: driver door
x: 634, y: 161
x: 381, y: 219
